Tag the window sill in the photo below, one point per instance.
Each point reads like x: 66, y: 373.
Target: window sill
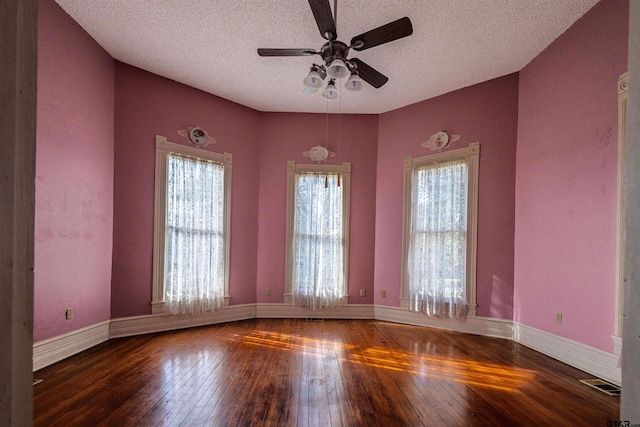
x: 157, y: 307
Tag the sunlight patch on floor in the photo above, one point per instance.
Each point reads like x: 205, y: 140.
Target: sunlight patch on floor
x: 466, y: 371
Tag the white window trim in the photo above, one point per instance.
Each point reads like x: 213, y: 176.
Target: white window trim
x: 163, y: 147
x: 472, y: 154
x: 623, y: 95
x: 293, y: 168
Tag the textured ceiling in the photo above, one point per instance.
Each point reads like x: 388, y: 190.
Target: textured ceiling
x: 211, y: 44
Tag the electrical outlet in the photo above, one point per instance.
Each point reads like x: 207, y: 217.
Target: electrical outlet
x: 559, y: 318
x: 363, y: 292
x: 69, y: 313
x: 268, y: 292
x: 383, y: 294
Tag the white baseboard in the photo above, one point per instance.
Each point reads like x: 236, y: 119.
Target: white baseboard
x: 55, y: 349
x: 596, y: 362
x: 288, y: 311
x: 137, y: 325
x: 589, y: 359
x: 486, y: 326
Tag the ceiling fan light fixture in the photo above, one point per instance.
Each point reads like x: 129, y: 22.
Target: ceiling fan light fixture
x: 337, y: 69
x: 354, y: 82
x: 331, y: 91
x: 313, y: 79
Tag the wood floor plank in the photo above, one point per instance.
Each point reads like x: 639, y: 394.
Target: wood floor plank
x: 274, y: 372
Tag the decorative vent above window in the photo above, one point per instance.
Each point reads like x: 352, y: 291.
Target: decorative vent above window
x: 197, y: 136
x: 439, y: 140
x: 318, y: 154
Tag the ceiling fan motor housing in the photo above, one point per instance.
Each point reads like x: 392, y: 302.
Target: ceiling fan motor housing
x: 334, y: 50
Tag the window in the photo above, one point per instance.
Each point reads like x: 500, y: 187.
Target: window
x: 191, y: 229
x: 317, y: 234
x: 439, y: 233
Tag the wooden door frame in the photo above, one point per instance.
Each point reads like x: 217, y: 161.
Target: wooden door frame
x: 18, y: 76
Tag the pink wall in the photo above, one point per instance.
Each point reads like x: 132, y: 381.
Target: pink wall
x: 284, y: 137
x: 261, y: 144
x: 146, y: 105
x: 565, y: 246
x: 485, y: 113
x: 95, y: 172
x: 74, y: 176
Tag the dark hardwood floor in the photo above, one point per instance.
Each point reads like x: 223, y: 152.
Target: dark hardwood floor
x: 336, y: 372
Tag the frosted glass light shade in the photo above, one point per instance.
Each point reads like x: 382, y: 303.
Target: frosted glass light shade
x: 354, y: 82
x: 338, y: 69
x: 313, y: 79
x: 331, y: 91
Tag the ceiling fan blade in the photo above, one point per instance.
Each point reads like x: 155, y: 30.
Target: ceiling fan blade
x: 322, y: 12
x: 286, y: 52
x: 369, y: 74
x: 389, y: 32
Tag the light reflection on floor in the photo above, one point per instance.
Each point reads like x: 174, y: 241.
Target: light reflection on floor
x: 460, y: 370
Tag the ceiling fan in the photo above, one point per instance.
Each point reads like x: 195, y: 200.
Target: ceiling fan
x: 334, y: 52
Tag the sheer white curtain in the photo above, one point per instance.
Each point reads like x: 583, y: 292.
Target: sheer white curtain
x: 318, y: 241
x: 436, y: 270
x: 195, y: 274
